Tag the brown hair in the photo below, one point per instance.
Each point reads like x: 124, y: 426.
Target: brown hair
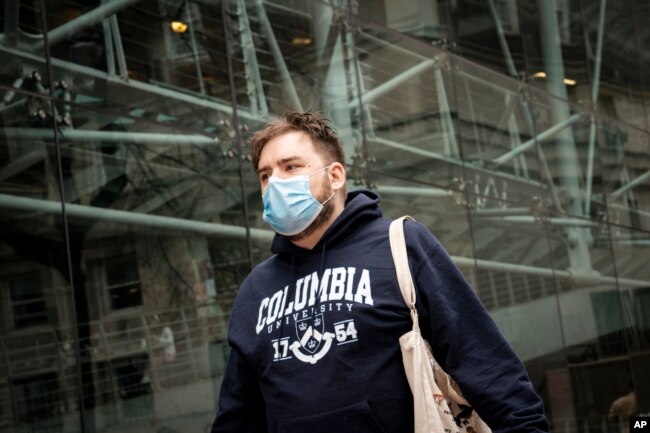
x: 312, y: 123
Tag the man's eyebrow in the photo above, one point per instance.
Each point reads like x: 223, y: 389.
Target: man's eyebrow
x: 280, y: 161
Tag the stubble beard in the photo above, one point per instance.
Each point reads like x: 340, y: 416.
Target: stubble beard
x: 321, y: 219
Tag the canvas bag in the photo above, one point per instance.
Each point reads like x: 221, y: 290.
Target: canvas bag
x: 438, y: 404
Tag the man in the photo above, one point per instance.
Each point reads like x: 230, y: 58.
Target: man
x: 314, y: 330
x: 623, y: 408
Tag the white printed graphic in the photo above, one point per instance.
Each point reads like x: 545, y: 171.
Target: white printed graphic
x: 338, y: 291
x: 312, y: 339
x: 340, y: 287
x: 281, y: 349
x: 345, y: 332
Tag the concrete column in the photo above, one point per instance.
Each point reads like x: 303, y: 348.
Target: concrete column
x: 565, y: 156
x: 335, y: 85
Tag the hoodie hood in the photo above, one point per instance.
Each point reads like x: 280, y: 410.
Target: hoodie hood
x: 360, y: 206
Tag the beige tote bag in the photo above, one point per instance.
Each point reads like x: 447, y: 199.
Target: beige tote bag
x: 437, y: 401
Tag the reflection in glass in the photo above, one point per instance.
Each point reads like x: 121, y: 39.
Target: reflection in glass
x: 37, y: 330
x: 452, y: 111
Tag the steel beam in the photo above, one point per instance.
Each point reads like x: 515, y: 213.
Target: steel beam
x: 631, y: 184
x: 254, y: 87
x: 445, y: 115
x: 594, y: 101
x: 195, y: 51
x: 21, y: 163
x: 393, y: 83
x: 521, y: 166
x: 442, y: 158
x: 84, y: 136
x: 11, y: 21
x: 492, y: 212
x: 119, y: 48
x: 510, y: 64
x: 88, y: 19
x: 549, y: 133
x: 164, y: 196
x: 408, y: 191
x: 204, y: 102
x: 410, y: 149
x: 578, y: 278
x: 109, y: 47
x: 138, y: 219
x: 512, y: 70
x: 330, y: 53
x: 17, y: 84
x: 599, y: 52
x: 505, y: 117
x: 565, y: 222
x: 272, y: 42
x: 214, y: 229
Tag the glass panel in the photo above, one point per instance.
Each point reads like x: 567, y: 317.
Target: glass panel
x: 571, y: 63
x: 569, y: 157
x: 303, y: 51
x: 27, y: 301
x: 157, y: 221
x: 641, y: 15
x: 516, y: 281
x: 478, y: 26
x: 22, y: 57
x: 408, y: 101
x: 134, y: 64
x: 158, y: 195
x: 626, y: 153
x: 38, y: 368
x: 496, y: 129
x: 123, y: 282
x: 621, y: 76
x: 593, y: 325
x: 444, y: 211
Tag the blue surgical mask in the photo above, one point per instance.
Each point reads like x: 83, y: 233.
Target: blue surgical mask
x: 289, y: 206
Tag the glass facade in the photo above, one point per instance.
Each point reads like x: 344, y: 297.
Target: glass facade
x: 518, y: 131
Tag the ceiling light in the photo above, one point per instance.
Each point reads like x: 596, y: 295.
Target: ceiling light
x: 178, y: 26
x: 567, y: 81
x: 301, y: 41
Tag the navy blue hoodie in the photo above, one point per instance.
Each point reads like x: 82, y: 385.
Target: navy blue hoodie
x: 314, y: 337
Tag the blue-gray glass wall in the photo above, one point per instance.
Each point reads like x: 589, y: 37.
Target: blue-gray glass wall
x: 518, y: 131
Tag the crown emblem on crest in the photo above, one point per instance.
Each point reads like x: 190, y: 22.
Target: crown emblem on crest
x: 311, y: 344
x: 317, y: 321
x: 302, y: 326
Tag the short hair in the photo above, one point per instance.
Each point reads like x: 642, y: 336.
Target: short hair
x: 312, y: 123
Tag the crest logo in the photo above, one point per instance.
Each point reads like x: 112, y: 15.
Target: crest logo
x: 310, y: 332
x: 312, y: 339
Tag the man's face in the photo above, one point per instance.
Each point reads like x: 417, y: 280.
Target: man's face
x: 293, y: 154
x: 290, y: 155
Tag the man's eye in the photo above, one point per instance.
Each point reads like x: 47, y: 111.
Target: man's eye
x: 291, y: 167
x: 264, y: 177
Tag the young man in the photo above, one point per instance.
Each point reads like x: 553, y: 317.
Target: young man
x: 314, y: 331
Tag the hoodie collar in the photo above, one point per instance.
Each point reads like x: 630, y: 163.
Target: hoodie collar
x: 360, y: 206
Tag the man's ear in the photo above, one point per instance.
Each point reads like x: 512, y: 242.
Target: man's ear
x: 338, y: 177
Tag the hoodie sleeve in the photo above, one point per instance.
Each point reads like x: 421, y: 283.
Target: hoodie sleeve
x: 241, y: 405
x: 466, y: 341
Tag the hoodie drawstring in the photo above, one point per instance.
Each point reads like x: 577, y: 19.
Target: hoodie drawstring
x: 321, y: 272
x: 292, y: 284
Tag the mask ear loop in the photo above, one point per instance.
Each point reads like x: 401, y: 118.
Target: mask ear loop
x: 328, y: 199
x: 333, y: 192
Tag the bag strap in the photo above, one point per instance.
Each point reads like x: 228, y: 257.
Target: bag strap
x: 400, y: 257
x: 405, y: 280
